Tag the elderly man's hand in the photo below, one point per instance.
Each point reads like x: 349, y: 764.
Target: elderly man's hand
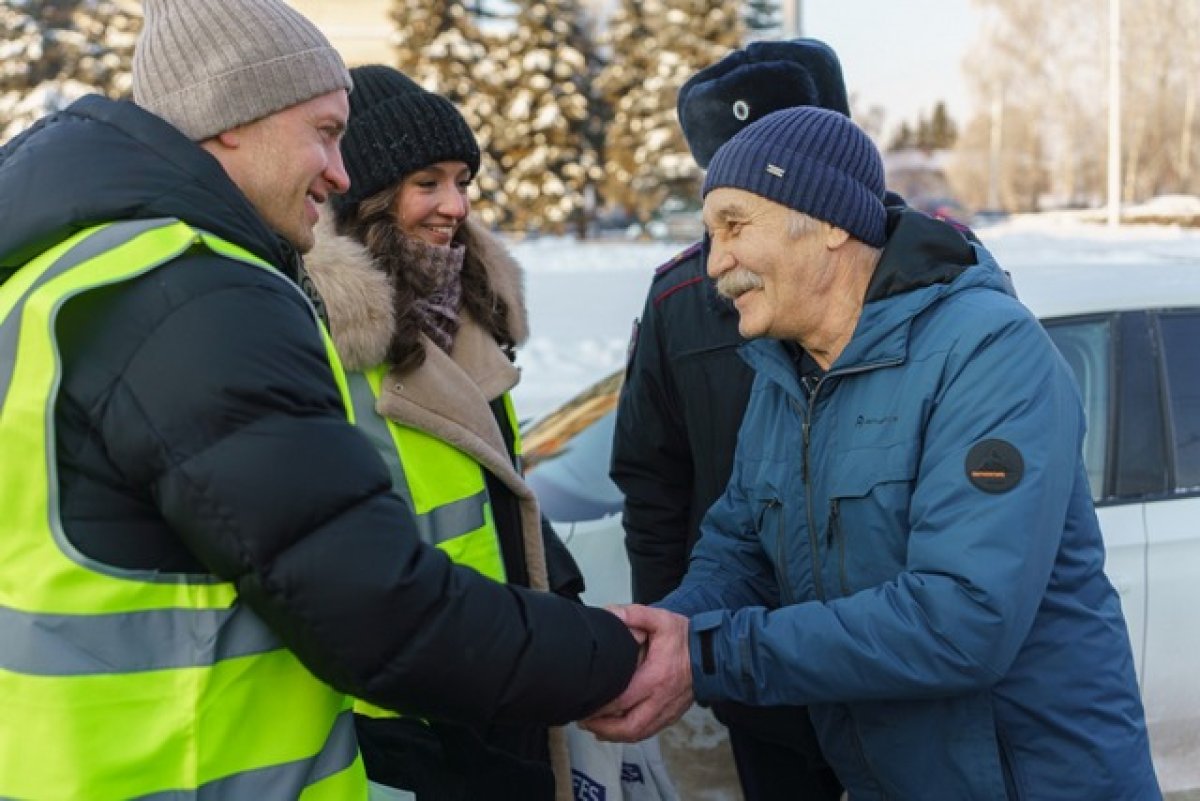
x: 661, y: 689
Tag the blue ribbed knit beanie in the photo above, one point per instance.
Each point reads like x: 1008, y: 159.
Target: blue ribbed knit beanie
x: 812, y: 160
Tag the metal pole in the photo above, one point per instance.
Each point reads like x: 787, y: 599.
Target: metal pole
x: 1114, y: 113
x: 793, y: 18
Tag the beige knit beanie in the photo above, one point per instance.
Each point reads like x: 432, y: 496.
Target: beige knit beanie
x: 207, y: 66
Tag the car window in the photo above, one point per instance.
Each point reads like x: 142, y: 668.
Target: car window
x: 1139, y: 464
x: 567, y: 454
x: 1181, y: 361
x: 1086, y: 346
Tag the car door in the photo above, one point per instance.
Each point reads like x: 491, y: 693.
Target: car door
x: 567, y: 454
x: 1106, y: 360
x: 1171, y: 686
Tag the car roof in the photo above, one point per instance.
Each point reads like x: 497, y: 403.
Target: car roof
x: 1067, y: 286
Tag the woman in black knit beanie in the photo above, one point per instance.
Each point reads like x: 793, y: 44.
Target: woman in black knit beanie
x: 426, y: 309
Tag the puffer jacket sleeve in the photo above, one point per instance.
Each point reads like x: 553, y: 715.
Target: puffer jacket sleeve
x: 251, y: 461
x: 977, y: 564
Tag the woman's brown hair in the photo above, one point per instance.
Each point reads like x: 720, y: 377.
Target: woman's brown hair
x: 372, y: 222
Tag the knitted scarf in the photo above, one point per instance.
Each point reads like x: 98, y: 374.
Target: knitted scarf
x: 438, y: 269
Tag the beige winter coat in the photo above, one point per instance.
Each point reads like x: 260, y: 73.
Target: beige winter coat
x: 448, y: 395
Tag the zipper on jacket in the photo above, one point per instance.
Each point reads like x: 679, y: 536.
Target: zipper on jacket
x: 818, y: 584
x: 804, y: 428
x: 834, y: 523
x: 835, y: 534
x: 813, y: 544
x: 785, y: 590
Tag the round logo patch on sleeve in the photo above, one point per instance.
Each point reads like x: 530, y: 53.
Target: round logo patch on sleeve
x: 994, y: 465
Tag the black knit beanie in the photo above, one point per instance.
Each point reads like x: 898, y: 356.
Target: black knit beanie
x: 812, y: 160
x: 395, y: 129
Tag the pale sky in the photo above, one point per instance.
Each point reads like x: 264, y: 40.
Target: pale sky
x: 904, y: 55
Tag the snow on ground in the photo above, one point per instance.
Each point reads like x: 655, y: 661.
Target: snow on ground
x: 1043, y: 238
x: 584, y: 296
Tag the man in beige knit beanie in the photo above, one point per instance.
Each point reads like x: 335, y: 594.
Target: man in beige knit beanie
x: 261, y: 89
x: 202, y: 559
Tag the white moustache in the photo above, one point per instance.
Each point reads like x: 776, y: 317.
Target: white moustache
x: 736, y: 282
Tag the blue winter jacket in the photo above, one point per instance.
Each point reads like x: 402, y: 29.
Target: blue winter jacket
x: 913, y: 552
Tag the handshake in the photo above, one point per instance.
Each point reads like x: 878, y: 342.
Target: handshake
x: 661, y: 688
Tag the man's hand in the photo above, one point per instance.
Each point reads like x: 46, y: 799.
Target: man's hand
x: 661, y: 689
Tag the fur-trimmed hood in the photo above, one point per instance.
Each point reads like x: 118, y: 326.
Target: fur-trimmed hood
x: 448, y: 395
x: 359, y: 298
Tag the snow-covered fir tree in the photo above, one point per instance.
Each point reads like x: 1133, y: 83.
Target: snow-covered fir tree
x: 53, y: 51
x: 656, y: 46
x: 418, y: 23
x: 440, y: 45
x: 541, y: 135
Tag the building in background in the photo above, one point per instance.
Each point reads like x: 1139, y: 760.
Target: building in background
x: 359, y: 29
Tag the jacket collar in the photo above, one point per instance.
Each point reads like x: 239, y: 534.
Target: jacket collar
x: 449, y: 394
x: 359, y: 297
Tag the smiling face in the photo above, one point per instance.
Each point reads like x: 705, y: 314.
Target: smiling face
x: 289, y: 162
x: 433, y: 202
x: 779, y: 282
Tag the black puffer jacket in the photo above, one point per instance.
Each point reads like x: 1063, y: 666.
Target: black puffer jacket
x: 199, y: 430
x: 685, y: 393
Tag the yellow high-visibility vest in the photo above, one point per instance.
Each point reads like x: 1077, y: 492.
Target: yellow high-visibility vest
x: 119, y: 683
x: 445, y: 488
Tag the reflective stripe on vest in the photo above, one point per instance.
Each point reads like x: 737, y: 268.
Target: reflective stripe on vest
x: 445, y: 488
x: 122, y: 683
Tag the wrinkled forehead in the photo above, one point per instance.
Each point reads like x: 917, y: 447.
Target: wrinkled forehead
x: 727, y: 202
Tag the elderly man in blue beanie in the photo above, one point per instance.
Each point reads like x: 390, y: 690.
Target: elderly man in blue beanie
x: 907, y: 543
x: 685, y: 391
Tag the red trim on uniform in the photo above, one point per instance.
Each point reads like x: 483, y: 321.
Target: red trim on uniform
x: 660, y: 298
x: 677, y: 259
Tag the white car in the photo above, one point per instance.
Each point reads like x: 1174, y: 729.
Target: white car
x: 1131, y: 333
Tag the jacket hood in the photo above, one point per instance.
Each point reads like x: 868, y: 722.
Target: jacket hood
x: 101, y: 160
x: 920, y: 251
x: 358, y: 296
x: 924, y: 261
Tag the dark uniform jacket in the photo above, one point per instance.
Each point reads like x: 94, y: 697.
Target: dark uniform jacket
x: 685, y: 392
x: 199, y: 429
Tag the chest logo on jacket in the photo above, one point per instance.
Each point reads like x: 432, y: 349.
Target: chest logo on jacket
x: 883, y: 419
x: 994, y: 465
